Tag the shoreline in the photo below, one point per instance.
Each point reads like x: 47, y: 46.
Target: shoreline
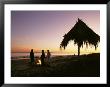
x: 53, y: 56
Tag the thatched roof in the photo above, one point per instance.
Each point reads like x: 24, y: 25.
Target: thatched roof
x: 81, y: 34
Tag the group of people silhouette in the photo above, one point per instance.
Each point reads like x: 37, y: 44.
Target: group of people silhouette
x: 42, y: 58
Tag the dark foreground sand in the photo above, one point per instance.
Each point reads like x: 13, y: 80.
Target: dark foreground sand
x: 60, y: 66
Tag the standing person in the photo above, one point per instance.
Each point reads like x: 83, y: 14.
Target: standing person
x: 48, y: 56
x: 32, y: 56
x: 42, y: 58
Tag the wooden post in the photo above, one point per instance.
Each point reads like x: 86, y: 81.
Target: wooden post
x: 78, y: 50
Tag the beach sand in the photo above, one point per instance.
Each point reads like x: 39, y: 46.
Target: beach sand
x: 59, y: 66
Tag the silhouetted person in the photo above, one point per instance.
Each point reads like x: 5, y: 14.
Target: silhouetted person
x: 48, y: 55
x: 42, y: 58
x: 32, y: 56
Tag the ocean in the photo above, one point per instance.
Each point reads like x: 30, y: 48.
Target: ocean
x: 26, y: 55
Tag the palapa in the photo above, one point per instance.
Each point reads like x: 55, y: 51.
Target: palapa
x: 81, y: 34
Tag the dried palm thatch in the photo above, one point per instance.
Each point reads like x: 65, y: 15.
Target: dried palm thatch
x: 81, y: 34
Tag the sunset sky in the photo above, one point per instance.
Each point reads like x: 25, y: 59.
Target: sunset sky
x: 45, y: 29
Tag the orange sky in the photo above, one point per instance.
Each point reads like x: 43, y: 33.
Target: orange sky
x: 42, y: 30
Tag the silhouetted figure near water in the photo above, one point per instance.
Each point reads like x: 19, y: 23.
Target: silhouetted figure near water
x: 42, y: 58
x: 32, y: 56
x: 48, y: 56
